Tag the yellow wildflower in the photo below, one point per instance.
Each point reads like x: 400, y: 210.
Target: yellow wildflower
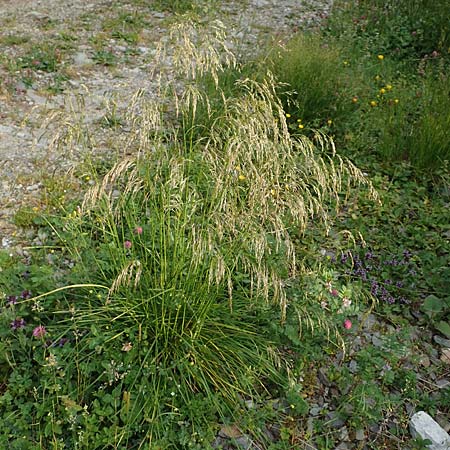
x: 241, y: 177
x: 381, y: 57
x: 373, y: 103
x: 355, y: 99
x: 288, y: 115
x: 382, y: 91
x: 396, y: 100
x: 301, y: 126
x: 389, y: 87
x: 329, y: 121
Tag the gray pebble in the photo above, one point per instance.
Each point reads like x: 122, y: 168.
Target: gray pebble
x: 353, y: 366
x: 443, y: 383
x: 376, y: 341
x: 323, y: 378
x: 334, y: 420
x: 360, y: 435
x: 441, y: 341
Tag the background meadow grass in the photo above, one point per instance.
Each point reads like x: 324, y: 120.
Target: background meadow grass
x: 375, y: 78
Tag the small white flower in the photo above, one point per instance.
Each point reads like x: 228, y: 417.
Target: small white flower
x: 346, y: 302
x: 127, y: 347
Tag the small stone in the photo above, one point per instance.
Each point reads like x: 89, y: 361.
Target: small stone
x: 244, y: 443
x: 360, y: 435
x: 230, y: 431
x: 308, y: 446
x: 443, y: 422
x: 445, y: 356
x: 344, y: 434
x: 6, y: 242
x: 334, y: 420
x: 376, y: 341
x: 269, y: 434
x: 323, y: 378
x: 20, y: 87
x: 35, y: 98
x: 348, y: 409
x: 425, y: 361
x: 37, y: 15
x: 370, y: 321
x: 250, y: 404
x: 158, y: 15
x: 218, y: 443
x: 342, y: 446
x: 33, y: 187
x: 441, y: 341
x: 82, y: 59
x: 423, y: 426
x: 443, y: 383
x: 353, y: 366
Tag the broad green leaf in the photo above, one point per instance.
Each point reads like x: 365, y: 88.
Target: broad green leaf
x: 444, y: 328
x: 432, y: 305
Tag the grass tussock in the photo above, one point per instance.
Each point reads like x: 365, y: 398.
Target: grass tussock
x: 183, y: 249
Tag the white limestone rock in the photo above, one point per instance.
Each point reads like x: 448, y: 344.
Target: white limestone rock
x: 422, y: 425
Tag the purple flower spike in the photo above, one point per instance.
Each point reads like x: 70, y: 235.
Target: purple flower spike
x: 26, y: 294
x: 62, y: 341
x: 17, y: 324
x: 11, y: 300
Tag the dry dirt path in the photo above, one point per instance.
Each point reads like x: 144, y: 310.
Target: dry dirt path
x: 93, y: 55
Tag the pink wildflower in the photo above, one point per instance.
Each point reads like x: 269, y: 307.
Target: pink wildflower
x: 347, y: 324
x: 334, y: 292
x: 138, y: 230
x: 39, y: 331
x: 127, y: 244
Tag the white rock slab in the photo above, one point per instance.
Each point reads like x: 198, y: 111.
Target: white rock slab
x: 422, y: 425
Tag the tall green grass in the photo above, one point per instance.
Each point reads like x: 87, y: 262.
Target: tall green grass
x: 315, y: 82
x: 417, y: 129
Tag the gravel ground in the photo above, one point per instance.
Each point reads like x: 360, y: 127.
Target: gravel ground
x: 30, y: 94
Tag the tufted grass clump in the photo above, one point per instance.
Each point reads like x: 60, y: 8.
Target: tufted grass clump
x: 424, y: 119
x: 312, y: 71
x: 178, y: 255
